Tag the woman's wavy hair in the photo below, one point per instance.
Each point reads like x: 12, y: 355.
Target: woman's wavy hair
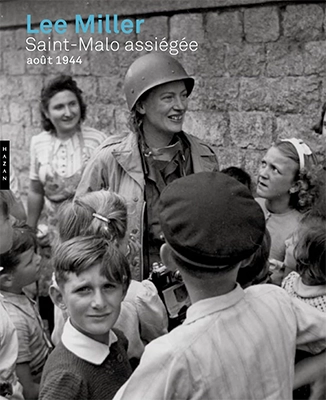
x: 318, y: 128
x: 306, y: 179
x: 310, y: 251
x: 56, y: 85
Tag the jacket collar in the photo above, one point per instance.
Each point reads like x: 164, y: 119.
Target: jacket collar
x: 126, y: 153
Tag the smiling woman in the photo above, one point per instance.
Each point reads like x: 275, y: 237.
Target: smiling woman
x: 59, y: 154
x: 157, y: 151
x: 286, y: 189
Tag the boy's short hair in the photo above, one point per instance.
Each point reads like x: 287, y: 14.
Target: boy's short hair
x: 257, y: 269
x: 80, y: 253
x: 24, y: 238
x: 310, y: 251
x: 239, y: 174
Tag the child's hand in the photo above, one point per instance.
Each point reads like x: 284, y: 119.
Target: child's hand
x: 277, y: 269
x: 275, y: 265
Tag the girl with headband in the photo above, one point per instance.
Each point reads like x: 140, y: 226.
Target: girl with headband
x: 286, y: 189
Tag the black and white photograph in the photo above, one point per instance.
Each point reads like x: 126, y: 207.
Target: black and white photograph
x: 162, y: 200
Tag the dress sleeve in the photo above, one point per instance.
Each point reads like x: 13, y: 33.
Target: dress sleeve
x: 34, y: 164
x: 63, y: 385
x: 151, y: 312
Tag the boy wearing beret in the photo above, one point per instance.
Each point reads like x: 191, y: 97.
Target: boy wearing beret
x: 234, y: 344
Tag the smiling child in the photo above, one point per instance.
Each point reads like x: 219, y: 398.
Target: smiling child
x: 91, y: 360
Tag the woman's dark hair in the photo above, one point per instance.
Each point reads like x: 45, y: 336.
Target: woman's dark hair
x: 56, y: 85
x: 318, y: 128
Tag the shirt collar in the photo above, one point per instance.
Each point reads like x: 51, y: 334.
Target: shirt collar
x: 212, y: 305
x: 308, y: 291
x: 84, y: 347
x: 71, y: 144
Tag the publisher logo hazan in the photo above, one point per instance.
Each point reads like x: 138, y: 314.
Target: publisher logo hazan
x: 93, y: 24
x: 5, y: 164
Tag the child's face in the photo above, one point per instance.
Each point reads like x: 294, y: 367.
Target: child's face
x: 28, y: 268
x: 93, y: 302
x: 276, y: 175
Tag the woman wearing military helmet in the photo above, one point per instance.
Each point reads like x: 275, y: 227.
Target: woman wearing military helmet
x: 139, y: 164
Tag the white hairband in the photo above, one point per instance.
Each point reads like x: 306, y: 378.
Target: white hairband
x: 301, y: 148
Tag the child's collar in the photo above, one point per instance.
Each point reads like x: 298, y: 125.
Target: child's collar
x: 84, y: 347
x: 308, y: 291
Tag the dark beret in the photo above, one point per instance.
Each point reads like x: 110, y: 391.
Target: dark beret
x: 210, y: 219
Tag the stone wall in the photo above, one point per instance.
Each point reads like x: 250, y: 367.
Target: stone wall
x: 260, y: 74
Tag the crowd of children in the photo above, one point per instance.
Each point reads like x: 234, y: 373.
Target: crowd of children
x: 95, y: 355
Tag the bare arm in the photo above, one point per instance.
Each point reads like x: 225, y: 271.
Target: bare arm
x: 35, y: 202
x: 309, y: 370
x: 30, y: 388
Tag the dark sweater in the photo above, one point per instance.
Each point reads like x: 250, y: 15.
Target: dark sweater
x: 66, y: 376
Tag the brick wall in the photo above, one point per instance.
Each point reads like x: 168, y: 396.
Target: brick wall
x: 260, y: 74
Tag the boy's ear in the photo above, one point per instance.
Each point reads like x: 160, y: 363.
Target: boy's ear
x: 56, y: 297
x: 167, y: 258
x: 6, y: 280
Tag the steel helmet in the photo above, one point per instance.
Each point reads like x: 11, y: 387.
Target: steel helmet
x: 152, y: 70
